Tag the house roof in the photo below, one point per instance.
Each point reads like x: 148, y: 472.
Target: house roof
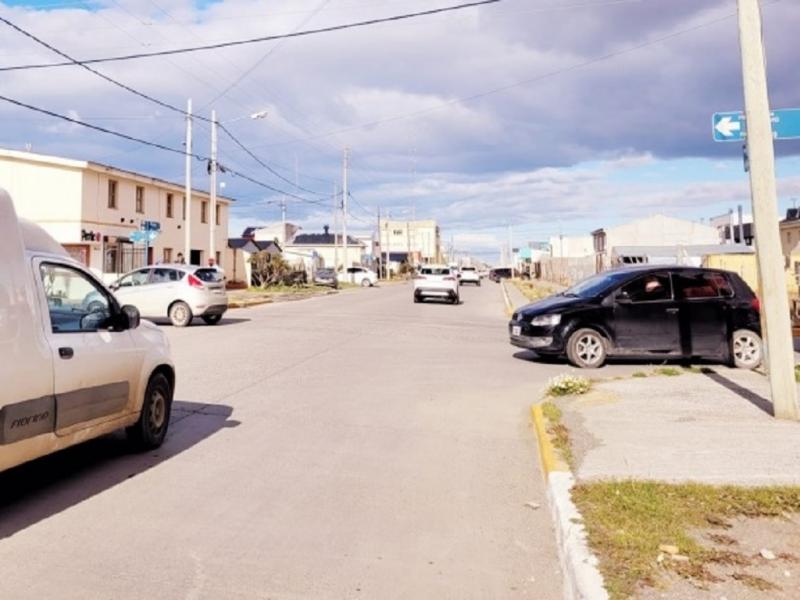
x: 252, y: 246
x: 323, y: 239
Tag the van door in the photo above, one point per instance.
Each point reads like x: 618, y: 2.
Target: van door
x: 96, y: 369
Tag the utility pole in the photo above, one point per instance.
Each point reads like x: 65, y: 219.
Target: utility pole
x: 741, y: 225
x: 380, y: 245
x: 187, y: 202
x: 212, y: 218
x: 335, y: 227
x: 775, y: 302
x: 283, y: 216
x: 345, y: 192
x: 510, y: 247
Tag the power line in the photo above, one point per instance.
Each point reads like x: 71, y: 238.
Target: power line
x: 361, y: 206
x: 151, y: 144
x: 268, y: 38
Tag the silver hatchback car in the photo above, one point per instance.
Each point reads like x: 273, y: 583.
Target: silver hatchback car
x: 175, y: 292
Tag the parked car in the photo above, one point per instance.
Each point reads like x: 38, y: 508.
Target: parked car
x: 435, y: 281
x: 71, y: 374
x: 500, y: 273
x: 470, y: 275
x: 360, y: 276
x: 646, y: 312
x: 176, y: 292
x: 326, y: 277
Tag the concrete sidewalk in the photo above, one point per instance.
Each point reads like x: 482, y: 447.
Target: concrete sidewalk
x: 715, y: 427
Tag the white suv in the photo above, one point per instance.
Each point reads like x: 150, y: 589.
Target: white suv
x: 470, y: 275
x: 436, y: 281
x: 360, y: 276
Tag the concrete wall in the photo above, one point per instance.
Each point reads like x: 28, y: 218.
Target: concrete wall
x: 660, y: 231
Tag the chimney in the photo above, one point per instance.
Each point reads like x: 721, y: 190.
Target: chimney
x: 326, y: 228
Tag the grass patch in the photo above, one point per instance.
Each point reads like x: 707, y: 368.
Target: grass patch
x: 567, y: 385
x: 668, y: 371
x: 534, y: 290
x: 559, y: 434
x: 797, y: 372
x: 639, y: 374
x: 627, y: 521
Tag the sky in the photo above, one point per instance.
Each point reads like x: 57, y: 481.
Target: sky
x: 549, y: 116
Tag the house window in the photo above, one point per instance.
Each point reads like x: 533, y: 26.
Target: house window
x: 112, y: 193
x: 204, y: 212
x: 139, y: 199
x: 219, y: 256
x: 397, y: 232
x: 167, y: 255
x: 216, y: 217
x: 169, y: 206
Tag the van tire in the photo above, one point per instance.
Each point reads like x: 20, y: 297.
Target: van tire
x: 747, y: 350
x: 180, y: 314
x: 151, y: 428
x: 587, y: 349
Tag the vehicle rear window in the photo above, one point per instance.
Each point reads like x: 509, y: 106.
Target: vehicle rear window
x: 702, y: 285
x: 166, y: 275
x: 208, y: 275
x: 470, y: 269
x: 435, y: 271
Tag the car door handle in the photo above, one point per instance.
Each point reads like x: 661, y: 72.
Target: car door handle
x: 66, y: 353
x: 672, y: 311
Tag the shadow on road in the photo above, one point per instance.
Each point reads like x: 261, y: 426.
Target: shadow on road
x: 756, y: 400
x: 49, y: 485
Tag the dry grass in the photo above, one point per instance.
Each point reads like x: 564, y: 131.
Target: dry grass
x: 627, y: 521
x: 558, y: 432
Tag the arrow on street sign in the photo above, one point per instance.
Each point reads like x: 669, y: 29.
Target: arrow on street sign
x: 732, y: 126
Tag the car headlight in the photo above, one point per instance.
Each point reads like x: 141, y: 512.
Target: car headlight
x: 546, y: 320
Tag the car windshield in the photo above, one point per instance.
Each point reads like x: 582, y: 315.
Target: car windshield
x: 596, y: 285
x: 208, y: 275
x: 325, y: 273
x: 435, y: 271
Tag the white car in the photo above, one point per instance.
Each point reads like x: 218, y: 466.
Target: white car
x: 175, y: 292
x: 436, y: 281
x: 71, y: 373
x: 470, y: 275
x: 358, y: 275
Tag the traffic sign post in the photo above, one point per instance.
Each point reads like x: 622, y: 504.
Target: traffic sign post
x: 732, y: 126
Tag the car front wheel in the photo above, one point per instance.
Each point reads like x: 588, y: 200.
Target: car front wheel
x: 151, y: 428
x: 586, y: 349
x: 747, y: 349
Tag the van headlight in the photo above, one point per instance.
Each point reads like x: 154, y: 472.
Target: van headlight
x: 546, y: 320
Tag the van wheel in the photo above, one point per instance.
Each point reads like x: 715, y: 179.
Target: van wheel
x: 151, y: 428
x: 586, y: 349
x: 180, y: 314
x: 212, y: 319
x: 746, y: 349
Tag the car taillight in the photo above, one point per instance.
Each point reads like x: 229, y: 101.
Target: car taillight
x: 194, y: 282
x: 756, y: 304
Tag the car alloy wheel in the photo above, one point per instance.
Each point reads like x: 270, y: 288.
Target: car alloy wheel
x: 746, y: 349
x: 586, y: 349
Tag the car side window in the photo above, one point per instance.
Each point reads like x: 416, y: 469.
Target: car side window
x: 702, y: 285
x: 650, y: 288
x: 165, y: 276
x: 134, y: 279
x: 75, y: 302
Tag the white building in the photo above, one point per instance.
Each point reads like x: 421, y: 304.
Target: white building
x: 93, y: 209
x: 733, y: 227
x: 325, y: 250
x: 576, y: 246
x: 414, y: 242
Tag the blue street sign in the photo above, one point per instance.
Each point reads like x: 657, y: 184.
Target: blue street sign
x: 732, y: 127
x: 151, y: 225
x: 142, y: 237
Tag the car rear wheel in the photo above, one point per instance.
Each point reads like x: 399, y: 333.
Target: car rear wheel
x: 365, y: 282
x: 212, y: 319
x: 586, y: 349
x: 180, y: 314
x: 747, y: 349
x: 151, y: 428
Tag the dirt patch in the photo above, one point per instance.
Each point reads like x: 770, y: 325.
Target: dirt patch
x: 737, y: 568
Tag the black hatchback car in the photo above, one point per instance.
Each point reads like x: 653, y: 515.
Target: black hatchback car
x: 645, y: 312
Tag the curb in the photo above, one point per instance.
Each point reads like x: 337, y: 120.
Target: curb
x: 507, y: 298
x: 582, y: 578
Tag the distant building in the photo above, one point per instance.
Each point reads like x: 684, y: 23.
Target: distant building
x: 577, y: 246
x: 729, y: 229
x: 790, y: 232
x: 96, y: 211
x: 414, y: 242
x: 325, y: 250
x: 273, y: 232
x: 657, y: 230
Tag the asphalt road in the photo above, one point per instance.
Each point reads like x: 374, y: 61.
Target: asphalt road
x: 350, y: 446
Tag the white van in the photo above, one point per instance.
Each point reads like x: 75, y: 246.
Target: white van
x: 71, y: 372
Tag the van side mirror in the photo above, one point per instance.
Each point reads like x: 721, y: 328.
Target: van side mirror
x: 129, y: 317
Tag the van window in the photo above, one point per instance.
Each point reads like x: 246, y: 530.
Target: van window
x: 74, y: 301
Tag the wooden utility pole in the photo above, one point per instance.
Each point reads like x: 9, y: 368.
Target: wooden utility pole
x: 774, y: 298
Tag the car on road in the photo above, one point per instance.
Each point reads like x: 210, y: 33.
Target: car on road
x: 500, y: 273
x: 71, y: 371
x: 646, y: 312
x: 176, y: 292
x: 470, y: 275
x: 360, y: 276
x: 326, y: 277
x: 436, y: 281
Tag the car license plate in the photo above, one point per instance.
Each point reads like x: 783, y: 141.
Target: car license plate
x: 516, y: 330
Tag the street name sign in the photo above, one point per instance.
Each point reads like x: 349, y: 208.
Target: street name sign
x: 732, y: 126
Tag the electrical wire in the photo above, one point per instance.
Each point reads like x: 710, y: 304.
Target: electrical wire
x: 269, y: 38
